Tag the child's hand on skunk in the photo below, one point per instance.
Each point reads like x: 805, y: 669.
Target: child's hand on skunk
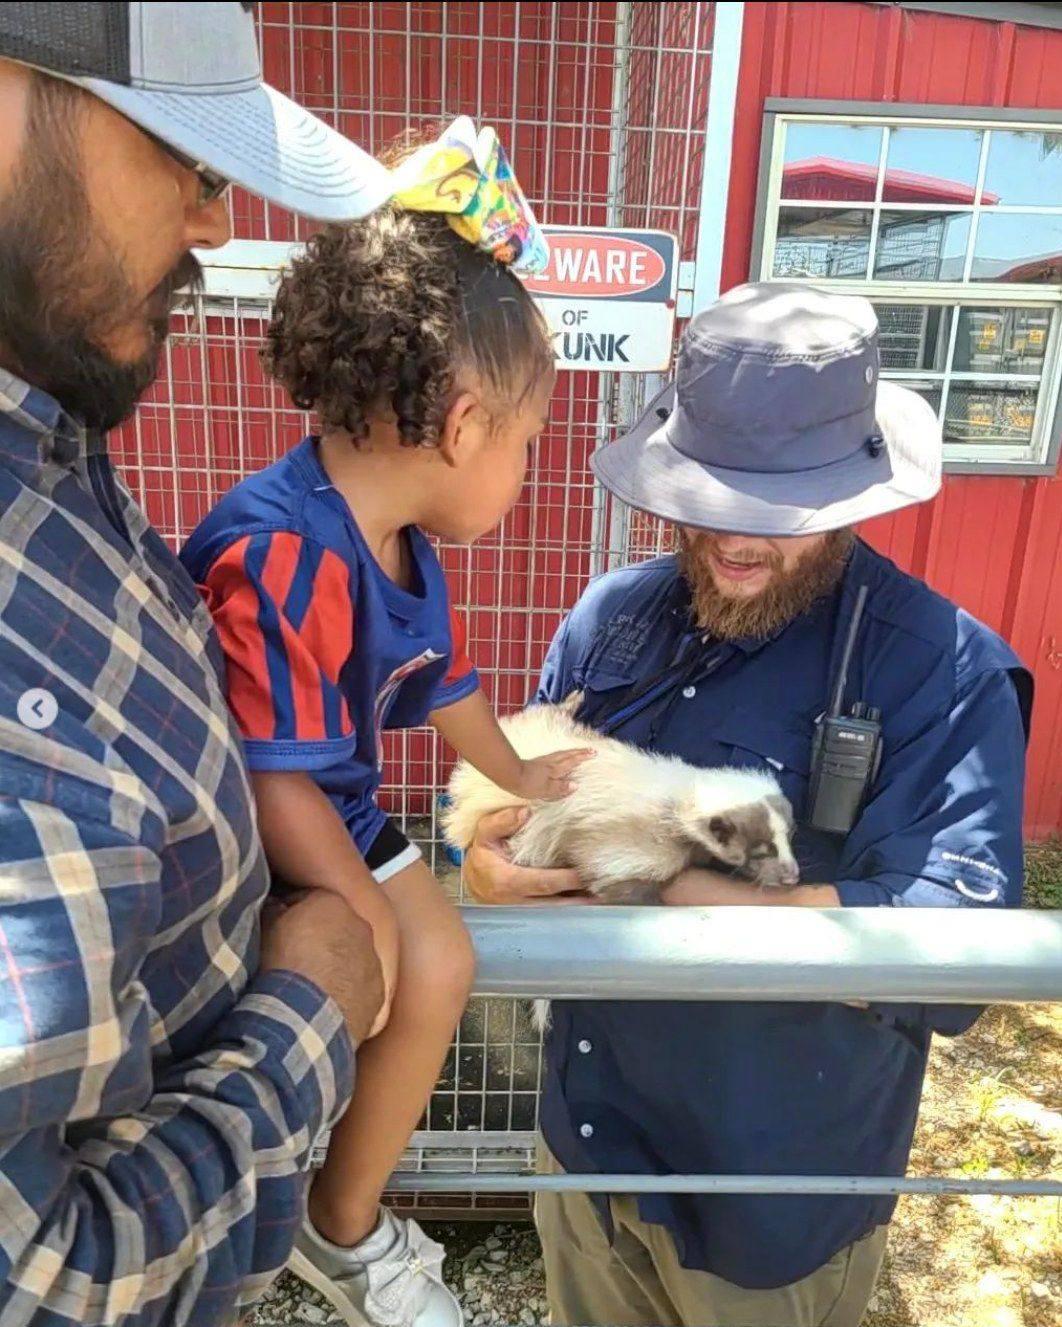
x: 548, y: 778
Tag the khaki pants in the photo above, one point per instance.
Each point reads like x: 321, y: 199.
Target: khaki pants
x: 638, y: 1281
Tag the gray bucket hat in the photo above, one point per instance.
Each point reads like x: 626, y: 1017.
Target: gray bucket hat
x: 776, y: 423
x: 190, y: 74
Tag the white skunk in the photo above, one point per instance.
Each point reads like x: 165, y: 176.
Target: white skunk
x: 635, y: 820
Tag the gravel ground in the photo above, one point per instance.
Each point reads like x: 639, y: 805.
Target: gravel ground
x: 495, y: 1271
x: 992, y: 1107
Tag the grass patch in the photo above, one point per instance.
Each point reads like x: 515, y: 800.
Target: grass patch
x: 1043, y: 874
x: 975, y: 1166
x: 985, y: 1094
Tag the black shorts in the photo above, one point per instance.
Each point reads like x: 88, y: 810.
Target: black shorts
x: 390, y: 853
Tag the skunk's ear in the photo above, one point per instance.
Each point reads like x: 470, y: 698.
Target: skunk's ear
x: 722, y: 828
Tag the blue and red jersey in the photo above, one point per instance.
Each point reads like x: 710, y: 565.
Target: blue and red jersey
x: 323, y: 651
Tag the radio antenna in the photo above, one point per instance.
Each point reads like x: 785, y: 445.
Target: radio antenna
x: 846, y: 658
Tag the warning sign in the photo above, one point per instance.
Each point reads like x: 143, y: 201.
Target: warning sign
x: 609, y: 298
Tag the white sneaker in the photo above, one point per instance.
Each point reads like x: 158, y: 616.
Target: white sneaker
x: 393, y: 1278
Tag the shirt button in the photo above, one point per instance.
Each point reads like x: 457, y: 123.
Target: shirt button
x: 689, y: 692
x: 585, y: 1047
x: 586, y: 1130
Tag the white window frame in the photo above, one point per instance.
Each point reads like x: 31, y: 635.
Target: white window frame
x: 1041, y: 455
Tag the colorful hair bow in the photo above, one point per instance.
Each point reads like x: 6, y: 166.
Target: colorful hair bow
x: 468, y: 176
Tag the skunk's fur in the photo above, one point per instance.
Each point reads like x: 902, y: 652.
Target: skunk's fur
x: 635, y: 820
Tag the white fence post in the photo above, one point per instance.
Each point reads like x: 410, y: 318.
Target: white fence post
x: 718, y: 143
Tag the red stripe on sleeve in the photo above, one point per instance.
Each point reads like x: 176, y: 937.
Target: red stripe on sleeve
x: 460, y: 664
x: 278, y: 573
x: 233, y: 601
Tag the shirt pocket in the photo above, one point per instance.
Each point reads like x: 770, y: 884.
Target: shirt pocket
x: 602, y: 690
x: 755, y: 741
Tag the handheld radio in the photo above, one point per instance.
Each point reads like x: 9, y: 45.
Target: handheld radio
x: 846, y: 749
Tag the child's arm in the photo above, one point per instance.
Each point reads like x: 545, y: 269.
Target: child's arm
x: 308, y: 845
x: 469, y: 725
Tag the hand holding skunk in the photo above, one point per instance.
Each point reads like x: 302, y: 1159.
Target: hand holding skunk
x: 634, y: 821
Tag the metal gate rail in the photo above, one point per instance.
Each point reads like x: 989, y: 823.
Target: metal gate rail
x: 920, y: 955
x: 404, y: 1182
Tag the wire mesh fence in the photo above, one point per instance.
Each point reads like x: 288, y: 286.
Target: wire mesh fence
x: 602, y: 107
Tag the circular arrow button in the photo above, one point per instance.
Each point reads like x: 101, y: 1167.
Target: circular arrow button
x: 37, y: 708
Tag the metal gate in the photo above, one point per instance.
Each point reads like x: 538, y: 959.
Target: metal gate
x: 603, y: 108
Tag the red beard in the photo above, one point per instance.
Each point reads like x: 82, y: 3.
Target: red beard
x: 785, y: 597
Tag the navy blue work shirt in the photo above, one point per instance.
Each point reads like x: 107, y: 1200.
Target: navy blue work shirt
x: 798, y: 1088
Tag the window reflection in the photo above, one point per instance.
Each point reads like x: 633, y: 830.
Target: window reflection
x: 828, y: 242
x: 831, y: 161
x: 978, y: 357
x: 921, y: 246
x: 1018, y: 248
x: 1025, y: 167
x: 917, y: 157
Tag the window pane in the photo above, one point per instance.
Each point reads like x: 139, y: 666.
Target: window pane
x: 831, y: 161
x: 1025, y: 167
x: 990, y: 412
x: 828, y: 242
x: 932, y: 166
x: 913, y: 336
x: 1018, y: 248
x: 929, y: 391
x: 922, y: 246
x: 1001, y: 340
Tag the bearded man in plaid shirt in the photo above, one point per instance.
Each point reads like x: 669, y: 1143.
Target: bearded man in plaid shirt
x: 166, y: 1065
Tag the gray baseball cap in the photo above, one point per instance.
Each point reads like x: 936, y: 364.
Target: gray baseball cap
x: 776, y: 423
x: 190, y: 74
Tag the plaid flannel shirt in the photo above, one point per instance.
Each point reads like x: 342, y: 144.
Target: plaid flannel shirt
x: 158, y: 1102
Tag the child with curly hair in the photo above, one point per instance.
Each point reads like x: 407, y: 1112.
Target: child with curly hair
x: 430, y: 371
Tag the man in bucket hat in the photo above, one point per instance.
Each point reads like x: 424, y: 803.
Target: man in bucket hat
x: 166, y: 1066
x: 775, y: 439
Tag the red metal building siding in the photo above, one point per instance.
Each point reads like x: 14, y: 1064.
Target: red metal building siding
x: 992, y: 544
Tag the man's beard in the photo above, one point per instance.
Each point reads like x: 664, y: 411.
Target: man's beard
x: 786, y: 596
x: 62, y: 293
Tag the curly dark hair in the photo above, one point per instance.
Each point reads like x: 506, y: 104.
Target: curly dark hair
x: 380, y: 315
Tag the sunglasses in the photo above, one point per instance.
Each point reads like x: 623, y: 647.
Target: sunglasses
x: 211, y: 185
